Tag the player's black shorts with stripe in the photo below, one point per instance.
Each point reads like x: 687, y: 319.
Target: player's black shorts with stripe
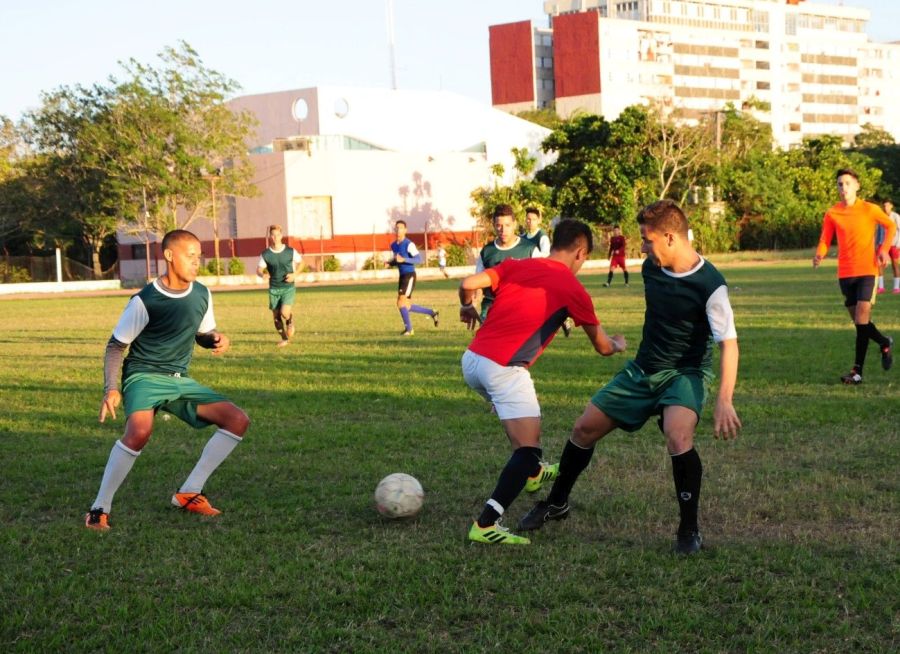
x: 407, y: 284
x: 857, y: 289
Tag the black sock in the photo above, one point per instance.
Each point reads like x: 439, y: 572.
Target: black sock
x: 876, y: 335
x: 573, y: 461
x: 625, y: 272
x: 525, y: 462
x: 862, y: 346
x: 687, y: 471
x: 609, y: 278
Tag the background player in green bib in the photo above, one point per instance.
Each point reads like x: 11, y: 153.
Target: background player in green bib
x: 687, y: 309
x: 280, y: 262
x: 159, y: 328
x: 535, y: 233
x: 507, y: 245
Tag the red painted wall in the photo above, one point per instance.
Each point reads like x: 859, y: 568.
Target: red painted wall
x: 512, y: 63
x: 576, y: 53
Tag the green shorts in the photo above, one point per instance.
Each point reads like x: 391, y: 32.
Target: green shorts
x: 179, y: 396
x: 633, y: 396
x: 283, y: 296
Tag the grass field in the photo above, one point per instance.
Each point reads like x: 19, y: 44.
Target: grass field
x: 800, y: 515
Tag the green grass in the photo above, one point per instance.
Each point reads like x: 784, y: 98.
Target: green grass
x: 800, y: 514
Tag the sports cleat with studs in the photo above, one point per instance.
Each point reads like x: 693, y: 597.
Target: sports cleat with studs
x: 546, y: 473
x: 96, y: 519
x: 689, y: 542
x: 195, y: 503
x: 495, y: 534
x: 887, y: 354
x: 541, y: 513
x: 436, y: 317
x: 852, y: 378
x: 407, y: 332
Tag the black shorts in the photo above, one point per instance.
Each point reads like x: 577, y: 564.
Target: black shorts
x: 407, y: 284
x: 857, y: 289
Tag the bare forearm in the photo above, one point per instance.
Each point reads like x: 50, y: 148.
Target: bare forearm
x: 728, y: 369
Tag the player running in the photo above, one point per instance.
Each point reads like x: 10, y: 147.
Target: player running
x: 532, y: 298
x: 853, y: 221
x: 279, y: 262
x: 159, y: 328
x: 687, y: 309
x: 405, y: 255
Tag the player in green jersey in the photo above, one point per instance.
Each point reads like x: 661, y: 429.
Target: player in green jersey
x: 279, y: 262
x: 507, y: 245
x: 687, y: 309
x: 159, y: 327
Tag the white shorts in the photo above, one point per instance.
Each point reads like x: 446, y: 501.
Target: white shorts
x: 509, y: 387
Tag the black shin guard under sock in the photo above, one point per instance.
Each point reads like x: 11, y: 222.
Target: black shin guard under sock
x: 609, y: 277
x: 525, y: 462
x: 573, y: 461
x: 862, y: 346
x: 625, y: 273
x: 687, y: 471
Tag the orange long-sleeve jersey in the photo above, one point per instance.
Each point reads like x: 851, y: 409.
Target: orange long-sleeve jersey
x: 855, y: 229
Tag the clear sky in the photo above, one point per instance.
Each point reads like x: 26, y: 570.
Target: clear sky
x: 273, y: 45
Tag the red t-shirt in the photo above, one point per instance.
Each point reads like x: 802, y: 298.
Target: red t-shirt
x: 617, y: 246
x: 532, y: 299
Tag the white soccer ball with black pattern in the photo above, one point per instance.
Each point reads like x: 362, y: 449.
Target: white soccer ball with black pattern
x: 399, y: 496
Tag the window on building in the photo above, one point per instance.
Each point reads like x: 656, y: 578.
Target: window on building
x: 311, y: 217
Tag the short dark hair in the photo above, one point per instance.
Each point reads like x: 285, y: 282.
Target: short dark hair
x: 400, y: 222
x: 567, y: 233
x: 503, y: 210
x: 533, y: 210
x: 846, y: 171
x: 177, y: 236
x: 664, y: 216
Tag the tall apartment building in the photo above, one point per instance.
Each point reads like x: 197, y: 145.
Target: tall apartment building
x: 807, y: 68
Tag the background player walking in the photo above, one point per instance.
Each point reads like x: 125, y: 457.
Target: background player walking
x: 279, y: 262
x: 159, y: 328
x: 853, y: 221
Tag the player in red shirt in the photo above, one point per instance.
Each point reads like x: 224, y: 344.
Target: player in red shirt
x: 616, y: 255
x: 532, y: 299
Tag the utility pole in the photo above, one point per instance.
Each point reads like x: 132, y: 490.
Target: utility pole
x: 391, y: 49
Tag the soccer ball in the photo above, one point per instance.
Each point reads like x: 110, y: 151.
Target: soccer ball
x: 399, y: 496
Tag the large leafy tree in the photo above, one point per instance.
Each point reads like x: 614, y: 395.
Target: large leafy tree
x: 525, y: 191
x: 138, y: 151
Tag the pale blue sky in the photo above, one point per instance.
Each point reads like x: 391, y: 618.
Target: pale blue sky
x: 269, y: 45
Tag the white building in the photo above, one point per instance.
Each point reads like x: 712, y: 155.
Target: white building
x: 811, y: 66
x: 337, y: 166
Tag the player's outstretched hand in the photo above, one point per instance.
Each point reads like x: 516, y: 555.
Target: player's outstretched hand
x: 111, y: 400
x: 726, y: 423
x: 222, y: 343
x: 469, y: 316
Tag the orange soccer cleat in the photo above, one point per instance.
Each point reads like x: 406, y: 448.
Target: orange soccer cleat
x: 195, y: 503
x: 96, y: 519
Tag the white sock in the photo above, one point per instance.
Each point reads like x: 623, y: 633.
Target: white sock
x: 896, y: 283
x: 217, y: 450
x: 121, y: 458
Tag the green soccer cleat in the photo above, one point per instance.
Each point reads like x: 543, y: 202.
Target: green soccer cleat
x: 495, y: 534
x: 547, y: 473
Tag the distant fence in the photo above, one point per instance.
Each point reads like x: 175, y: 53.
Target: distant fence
x: 49, y: 268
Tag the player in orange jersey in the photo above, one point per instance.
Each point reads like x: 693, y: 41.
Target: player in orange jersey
x: 853, y: 221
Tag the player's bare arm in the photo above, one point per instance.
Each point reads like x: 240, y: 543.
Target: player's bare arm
x: 603, y: 344
x: 726, y: 423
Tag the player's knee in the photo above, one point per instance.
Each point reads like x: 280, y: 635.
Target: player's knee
x: 136, y: 438
x: 585, y: 433
x: 237, y: 422
x: 679, y: 441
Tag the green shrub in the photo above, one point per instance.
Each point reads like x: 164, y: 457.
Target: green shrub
x: 10, y: 274
x: 373, y: 263
x: 236, y: 266
x: 331, y: 264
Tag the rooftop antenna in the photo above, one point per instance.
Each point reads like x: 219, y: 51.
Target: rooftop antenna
x: 393, y: 57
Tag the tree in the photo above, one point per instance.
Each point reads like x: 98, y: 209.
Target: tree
x: 871, y: 136
x: 524, y: 192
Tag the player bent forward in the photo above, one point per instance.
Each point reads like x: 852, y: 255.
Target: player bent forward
x: 687, y: 303
x: 532, y: 299
x: 161, y: 324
